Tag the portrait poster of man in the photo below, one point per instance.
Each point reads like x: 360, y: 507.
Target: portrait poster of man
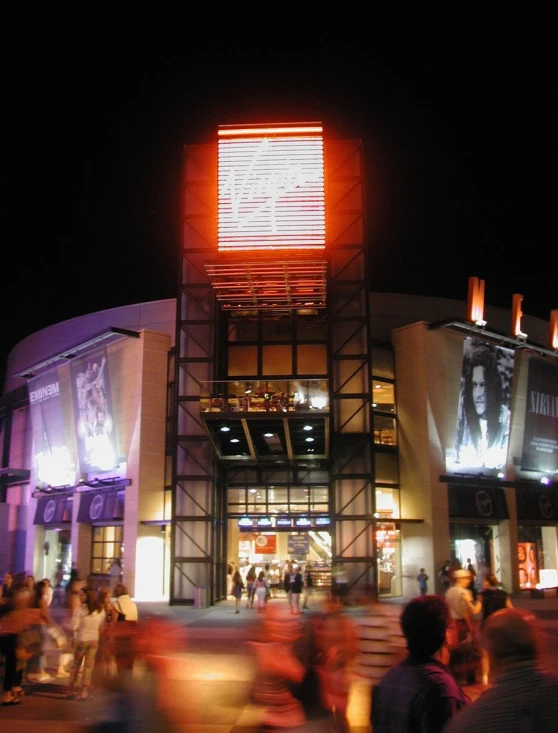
x: 483, y: 421
x: 540, y: 438
x: 96, y: 436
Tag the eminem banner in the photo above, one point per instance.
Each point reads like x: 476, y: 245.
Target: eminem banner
x: 54, y: 460
x: 540, y: 437
x: 483, y: 420
x: 96, y: 437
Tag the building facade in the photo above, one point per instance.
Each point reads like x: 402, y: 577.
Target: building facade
x: 276, y: 409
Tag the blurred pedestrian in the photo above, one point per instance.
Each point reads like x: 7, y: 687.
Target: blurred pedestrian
x: 493, y: 599
x: 278, y: 669
x: 472, y: 584
x: 337, y: 647
x: 465, y: 652
x: 420, y: 693
x: 296, y: 583
x: 124, y: 631
x: 115, y: 572
x: 237, y: 589
x: 37, y: 664
x: 260, y: 590
x: 250, y: 582
x: 422, y: 579
x: 308, y: 589
x: 86, y: 623
x: 381, y: 645
x: 105, y: 663
x: 13, y: 621
x: 444, y: 576
x: 7, y: 588
x: 287, y: 583
x: 524, y: 697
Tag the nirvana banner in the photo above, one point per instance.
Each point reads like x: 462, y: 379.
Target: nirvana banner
x: 96, y: 436
x: 54, y: 459
x: 540, y: 437
x: 483, y: 420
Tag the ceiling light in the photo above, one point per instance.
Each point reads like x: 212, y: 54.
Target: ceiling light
x: 307, y: 427
x: 234, y: 440
x: 225, y: 429
x: 268, y: 435
x: 309, y: 440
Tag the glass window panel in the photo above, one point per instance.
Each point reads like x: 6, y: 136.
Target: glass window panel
x: 383, y: 363
x: 236, y: 496
x: 386, y: 467
x: 384, y: 430
x: 237, y: 509
x: 311, y: 330
x: 383, y: 396
x: 280, y: 330
x: 387, y: 503
x: 243, y: 330
x: 311, y: 359
x: 319, y: 494
x: 277, y: 360
x: 320, y: 508
x: 299, y: 495
x: 275, y: 496
x: 243, y: 361
x: 388, y: 548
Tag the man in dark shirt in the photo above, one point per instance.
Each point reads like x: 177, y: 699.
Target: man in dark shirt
x: 420, y: 693
x: 524, y: 697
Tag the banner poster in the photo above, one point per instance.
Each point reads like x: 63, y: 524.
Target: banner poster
x: 95, y: 430
x: 528, y: 566
x: 298, y: 544
x: 483, y: 419
x: 540, y: 436
x: 265, y: 544
x: 54, y: 458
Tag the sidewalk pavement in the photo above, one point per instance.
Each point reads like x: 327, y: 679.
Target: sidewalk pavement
x: 212, y: 676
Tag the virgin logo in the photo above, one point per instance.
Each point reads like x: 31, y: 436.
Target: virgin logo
x: 253, y: 192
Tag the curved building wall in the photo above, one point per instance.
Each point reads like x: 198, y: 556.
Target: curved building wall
x: 158, y: 315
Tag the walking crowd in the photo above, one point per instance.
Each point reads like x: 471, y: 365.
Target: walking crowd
x: 93, y: 648
x: 351, y: 661
x: 406, y: 670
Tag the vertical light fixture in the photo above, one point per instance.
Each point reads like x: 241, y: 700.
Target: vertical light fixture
x: 475, y: 302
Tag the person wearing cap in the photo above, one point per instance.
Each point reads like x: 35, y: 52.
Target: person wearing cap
x: 465, y: 654
x: 524, y: 696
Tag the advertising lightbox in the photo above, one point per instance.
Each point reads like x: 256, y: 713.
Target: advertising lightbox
x: 271, y: 188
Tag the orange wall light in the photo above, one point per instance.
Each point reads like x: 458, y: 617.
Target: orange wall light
x: 271, y: 188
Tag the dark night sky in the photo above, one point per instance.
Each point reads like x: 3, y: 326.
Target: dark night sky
x: 455, y: 111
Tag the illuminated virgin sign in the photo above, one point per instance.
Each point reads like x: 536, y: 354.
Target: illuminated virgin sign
x: 271, y: 188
